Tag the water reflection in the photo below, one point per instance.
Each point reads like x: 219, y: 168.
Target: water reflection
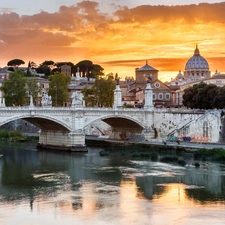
x: 84, y: 188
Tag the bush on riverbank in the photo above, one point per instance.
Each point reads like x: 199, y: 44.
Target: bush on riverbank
x: 169, y: 158
x: 166, y: 153
x: 215, y: 154
x: 129, y: 153
x: 104, y: 153
x: 14, y: 135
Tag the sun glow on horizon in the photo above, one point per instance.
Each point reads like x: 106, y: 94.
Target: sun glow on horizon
x: 119, y: 42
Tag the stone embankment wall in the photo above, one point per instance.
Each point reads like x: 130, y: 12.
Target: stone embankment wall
x: 188, y: 125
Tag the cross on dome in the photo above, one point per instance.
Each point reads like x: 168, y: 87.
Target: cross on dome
x: 197, y: 52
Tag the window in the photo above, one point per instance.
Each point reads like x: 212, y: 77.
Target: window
x: 160, y: 96
x: 153, y: 96
x: 205, y: 129
x: 167, y: 96
x: 218, y: 81
x: 157, y: 85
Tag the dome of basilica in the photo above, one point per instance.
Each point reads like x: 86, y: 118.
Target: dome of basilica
x: 197, y: 61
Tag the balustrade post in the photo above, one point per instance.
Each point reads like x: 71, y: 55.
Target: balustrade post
x: 117, y: 97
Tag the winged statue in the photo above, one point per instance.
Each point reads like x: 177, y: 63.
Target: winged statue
x: 149, y: 76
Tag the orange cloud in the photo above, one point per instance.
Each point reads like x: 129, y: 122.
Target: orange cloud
x: 164, y: 35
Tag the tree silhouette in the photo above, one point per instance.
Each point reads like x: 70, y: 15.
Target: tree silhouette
x: 15, y: 62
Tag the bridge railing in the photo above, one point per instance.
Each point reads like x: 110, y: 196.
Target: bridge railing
x: 14, y: 108
x: 179, y: 110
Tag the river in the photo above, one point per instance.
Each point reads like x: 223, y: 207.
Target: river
x: 47, y: 187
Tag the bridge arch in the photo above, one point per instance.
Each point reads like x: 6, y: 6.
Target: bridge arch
x: 42, y: 122
x: 118, y: 121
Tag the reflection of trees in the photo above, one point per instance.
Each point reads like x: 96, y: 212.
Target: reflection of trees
x: 204, y: 196
x: 205, y: 185
x: 28, y: 175
x: 147, y: 186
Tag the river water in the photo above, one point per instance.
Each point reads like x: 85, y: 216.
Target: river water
x: 46, y: 187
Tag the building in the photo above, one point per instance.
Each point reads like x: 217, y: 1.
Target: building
x: 133, y: 90
x: 196, y: 70
x: 66, y: 69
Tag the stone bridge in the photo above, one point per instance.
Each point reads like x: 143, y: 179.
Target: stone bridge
x: 63, y: 128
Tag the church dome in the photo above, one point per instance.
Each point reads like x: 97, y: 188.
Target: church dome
x: 179, y: 76
x: 197, y: 61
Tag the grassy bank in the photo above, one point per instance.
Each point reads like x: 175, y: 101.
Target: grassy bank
x: 14, y: 136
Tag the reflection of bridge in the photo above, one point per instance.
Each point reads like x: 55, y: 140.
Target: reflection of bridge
x: 64, y: 127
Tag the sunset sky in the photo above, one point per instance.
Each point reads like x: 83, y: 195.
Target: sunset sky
x: 119, y: 35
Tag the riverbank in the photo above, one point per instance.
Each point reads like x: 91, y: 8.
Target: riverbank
x: 16, y: 136
x: 170, y: 152
x: 191, y: 146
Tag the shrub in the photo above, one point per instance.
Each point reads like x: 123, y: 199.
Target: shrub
x: 4, y: 134
x: 154, y: 156
x: 216, y: 154
x: 104, y: 153
x: 197, y: 165
x: 169, y: 158
x: 181, y: 162
x: 15, y: 134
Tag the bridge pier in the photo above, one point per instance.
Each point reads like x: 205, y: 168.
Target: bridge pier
x: 149, y: 132
x: 62, y: 140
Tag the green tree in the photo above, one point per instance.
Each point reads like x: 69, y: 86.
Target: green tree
x: 89, y: 97
x: 189, y: 97
x: 59, y: 64
x: 48, y: 63
x: 102, y: 92
x: 58, y: 88
x: 88, y: 69
x: 218, y: 98
x: 15, y: 89
x: 201, y: 96
x: 46, y: 67
x: 32, y: 87
x: 15, y: 62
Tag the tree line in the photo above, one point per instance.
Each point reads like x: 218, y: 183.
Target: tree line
x: 19, y: 86
x: 86, y: 67
x: 204, y: 96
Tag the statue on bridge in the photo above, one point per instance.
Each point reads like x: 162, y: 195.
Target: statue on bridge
x: 77, y: 98
x: 117, y: 79
x: 149, y: 77
x: 46, y: 100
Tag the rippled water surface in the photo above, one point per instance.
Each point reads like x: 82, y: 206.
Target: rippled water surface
x: 43, y: 188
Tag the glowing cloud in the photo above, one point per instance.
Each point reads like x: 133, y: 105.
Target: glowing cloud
x: 120, y: 42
